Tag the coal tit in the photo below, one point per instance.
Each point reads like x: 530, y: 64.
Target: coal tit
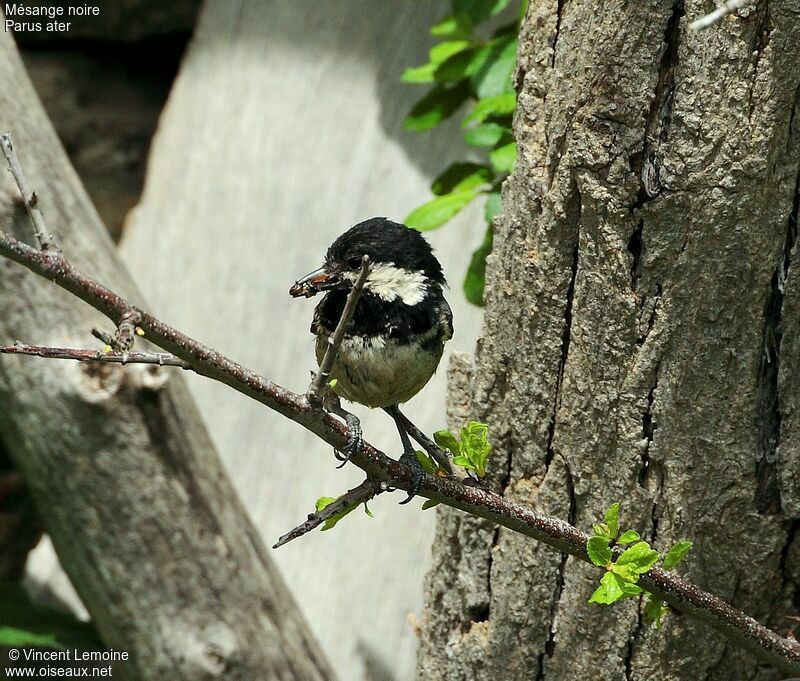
x: 400, y: 324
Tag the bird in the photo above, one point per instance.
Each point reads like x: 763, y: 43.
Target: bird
x: 400, y: 325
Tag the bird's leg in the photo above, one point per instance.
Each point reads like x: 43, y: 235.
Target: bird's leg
x: 439, y: 455
x: 409, y: 457
x: 354, y: 439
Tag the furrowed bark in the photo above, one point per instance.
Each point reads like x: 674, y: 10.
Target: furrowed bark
x: 640, y: 341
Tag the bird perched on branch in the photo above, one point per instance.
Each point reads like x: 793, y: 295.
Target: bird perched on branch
x: 400, y: 323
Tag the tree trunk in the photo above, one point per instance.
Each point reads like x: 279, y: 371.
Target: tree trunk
x: 144, y: 519
x: 641, y: 342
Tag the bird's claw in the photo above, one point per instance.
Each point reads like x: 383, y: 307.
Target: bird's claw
x: 409, y: 458
x: 354, y: 439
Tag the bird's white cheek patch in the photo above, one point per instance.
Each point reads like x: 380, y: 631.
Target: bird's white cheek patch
x: 389, y: 283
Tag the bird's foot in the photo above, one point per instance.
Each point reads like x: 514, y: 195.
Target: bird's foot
x: 354, y: 438
x: 409, y: 459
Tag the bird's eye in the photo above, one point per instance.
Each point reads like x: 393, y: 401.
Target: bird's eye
x: 354, y: 263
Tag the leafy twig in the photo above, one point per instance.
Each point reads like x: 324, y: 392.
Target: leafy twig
x: 469, y: 66
x: 337, y: 508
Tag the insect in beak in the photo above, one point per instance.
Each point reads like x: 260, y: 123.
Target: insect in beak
x: 314, y: 282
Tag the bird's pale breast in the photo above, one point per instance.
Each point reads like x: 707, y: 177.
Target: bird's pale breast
x: 380, y: 371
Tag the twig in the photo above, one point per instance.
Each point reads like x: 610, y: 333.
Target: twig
x: 719, y: 13
x: 160, y: 358
x: 343, y: 505
x: 29, y: 197
x: 677, y: 592
x: 320, y: 380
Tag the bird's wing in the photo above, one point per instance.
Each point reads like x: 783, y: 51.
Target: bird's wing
x: 446, y: 321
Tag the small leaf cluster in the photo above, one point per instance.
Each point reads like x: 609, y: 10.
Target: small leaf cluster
x: 465, y: 67
x: 329, y: 523
x: 472, y: 450
x: 622, y: 574
x: 429, y: 465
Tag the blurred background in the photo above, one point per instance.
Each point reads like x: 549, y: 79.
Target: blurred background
x: 155, y: 101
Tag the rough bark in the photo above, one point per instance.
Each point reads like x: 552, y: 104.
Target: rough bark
x: 640, y: 342
x: 144, y: 519
x: 284, y: 128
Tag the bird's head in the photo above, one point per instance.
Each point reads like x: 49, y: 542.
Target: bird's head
x: 402, y: 264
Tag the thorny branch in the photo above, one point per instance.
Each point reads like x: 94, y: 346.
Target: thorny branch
x: 344, y: 504
x: 720, y: 13
x: 29, y: 197
x: 160, y: 358
x: 680, y: 594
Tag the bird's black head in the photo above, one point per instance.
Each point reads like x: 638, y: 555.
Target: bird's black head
x: 402, y: 262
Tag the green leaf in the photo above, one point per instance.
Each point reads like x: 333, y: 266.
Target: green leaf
x: 601, y: 530
x: 420, y: 75
x: 437, y: 105
x: 631, y: 590
x: 676, y: 554
x: 639, y: 558
x: 628, y: 537
x: 460, y: 177
x: 493, y: 206
x: 443, y: 51
x: 475, y: 445
x: 496, y: 65
x: 612, y: 520
x: 503, y: 158
x: 446, y: 440
x: 498, y: 6
x: 485, y: 135
x: 446, y: 27
x: 322, y: 502
x: 462, y: 461
x: 430, y: 503
x: 599, y: 551
x: 470, y: 13
x: 654, y: 610
x: 491, y: 106
x: 609, y: 591
x: 438, y: 211
x: 455, y: 67
x: 24, y: 623
x: 18, y: 638
x: 626, y: 572
x: 475, y: 279
x: 438, y: 54
x: 330, y: 523
x: 427, y: 463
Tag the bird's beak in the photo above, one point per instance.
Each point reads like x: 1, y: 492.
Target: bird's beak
x: 314, y: 282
